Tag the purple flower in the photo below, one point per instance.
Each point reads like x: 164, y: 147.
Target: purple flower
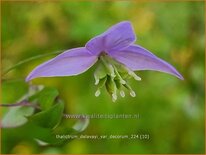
x: 117, y: 57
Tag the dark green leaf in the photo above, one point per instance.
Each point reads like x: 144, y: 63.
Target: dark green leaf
x: 49, y: 118
x: 46, y: 97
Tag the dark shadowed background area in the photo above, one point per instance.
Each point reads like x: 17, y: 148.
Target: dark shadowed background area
x: 171, y: 111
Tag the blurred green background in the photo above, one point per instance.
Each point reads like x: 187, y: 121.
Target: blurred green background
x: 171, y: 110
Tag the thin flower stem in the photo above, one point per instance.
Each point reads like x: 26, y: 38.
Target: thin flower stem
x: 22, y: 103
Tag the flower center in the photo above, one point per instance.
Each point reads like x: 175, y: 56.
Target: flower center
x: 114, y: 76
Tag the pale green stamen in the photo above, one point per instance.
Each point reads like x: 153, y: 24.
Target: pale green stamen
x: 134, y: 75
x: 114, y: 97
x: 119, y: 76
x: 99, y: 73
x: 113, y: 75
x: 132, y: 93
x: 97, y: 93
x: 96, y: 80
x: 122, y: 94
x: 122, y: 67
x: 108, y: 66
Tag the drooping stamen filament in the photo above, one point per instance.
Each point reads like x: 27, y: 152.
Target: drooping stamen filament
x: 99, y: 73
x: 97, y: 93
x: 118, y: 76
x: 100, y: 85
x: 122, y: 94
x: 96, y: 80
x: 114, y: 97
x: 132, y: 93
x: 134, y: 75
x: 108, y: 66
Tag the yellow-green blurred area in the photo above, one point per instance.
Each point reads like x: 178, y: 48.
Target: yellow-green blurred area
x: 171, y: 110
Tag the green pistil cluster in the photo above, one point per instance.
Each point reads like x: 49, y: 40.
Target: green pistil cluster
x: 113, y: 75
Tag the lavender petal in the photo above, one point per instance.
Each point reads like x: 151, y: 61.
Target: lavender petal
x: 116, y: 37
x: 71, y: 62
x: 138, y: 58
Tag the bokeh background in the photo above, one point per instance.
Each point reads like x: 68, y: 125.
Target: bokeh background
x: 171, y: 110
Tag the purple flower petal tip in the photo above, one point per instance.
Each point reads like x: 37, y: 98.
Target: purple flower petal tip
x: 178, y: 75
x: 137, y: 58
x: 28, y: 78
